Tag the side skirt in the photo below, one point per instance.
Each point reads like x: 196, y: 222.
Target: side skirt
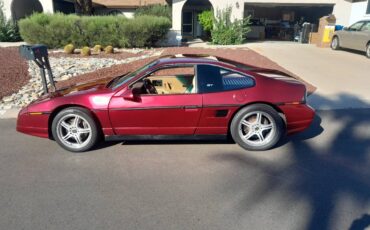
x: 164, y: 137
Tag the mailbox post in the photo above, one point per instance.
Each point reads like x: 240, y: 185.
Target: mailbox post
x: 39, y: 54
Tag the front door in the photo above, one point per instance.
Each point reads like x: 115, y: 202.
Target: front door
x: 169, y: 105
x: 187, y: 23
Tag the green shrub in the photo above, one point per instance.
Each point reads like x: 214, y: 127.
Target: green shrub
x: 85, y: 51
x: 8, y: 30
x: 56, y: 30
x: 206, y: 20
x: 228, y: 32
x: 158, y: 10
x: 109, y: 50
x: 69, y: 49
x: 97, y: 48
x: 143, y: 31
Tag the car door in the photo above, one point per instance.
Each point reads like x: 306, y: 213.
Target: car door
x: 172, y: 110
x: 349, y: 37
x: 223, y: 91
x: 362, y: 37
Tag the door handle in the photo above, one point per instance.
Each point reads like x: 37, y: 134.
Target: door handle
x: 190, y: 107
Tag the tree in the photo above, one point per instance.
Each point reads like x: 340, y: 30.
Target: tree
x: 83, y: 7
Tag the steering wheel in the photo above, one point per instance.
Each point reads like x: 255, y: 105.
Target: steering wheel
x: 149, y: 87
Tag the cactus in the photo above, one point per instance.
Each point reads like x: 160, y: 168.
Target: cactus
x: 85, y: 51
x: 69, y: 49
x: 109, y: 50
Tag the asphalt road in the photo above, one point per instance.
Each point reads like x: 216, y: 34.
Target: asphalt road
x: 316, y: 180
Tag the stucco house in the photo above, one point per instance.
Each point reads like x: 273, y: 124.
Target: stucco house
x: 274, y: 16
x: 16, y: 9
x: 271, y: 14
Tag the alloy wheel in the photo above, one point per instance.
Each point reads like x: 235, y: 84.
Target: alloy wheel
x: 74, y: 131
x: 257, y: 128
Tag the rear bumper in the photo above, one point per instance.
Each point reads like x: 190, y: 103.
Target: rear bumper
x: 35, y: 125
x: 298, y: 117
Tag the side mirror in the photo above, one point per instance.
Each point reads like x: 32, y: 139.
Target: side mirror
x: 133, y: 94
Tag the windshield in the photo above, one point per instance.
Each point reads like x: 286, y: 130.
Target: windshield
x: 125, y: 78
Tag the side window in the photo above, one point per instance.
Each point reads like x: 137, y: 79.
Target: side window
x: 366, y: 27
x: 170, y: 80
x: 216, y: 79
x: 356, y: 26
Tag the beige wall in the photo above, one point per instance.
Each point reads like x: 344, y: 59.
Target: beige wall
x: 358, y: 12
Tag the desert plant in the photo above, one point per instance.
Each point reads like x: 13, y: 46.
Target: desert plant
x: 97, y: 48
x: 85, y: 51
x: 227, y: 31
x: 109, y: 50
x: 8, y: 29
x: 158, y: 10
x: 206, y: 20
x: 69, y: 49
x: 92, y: 30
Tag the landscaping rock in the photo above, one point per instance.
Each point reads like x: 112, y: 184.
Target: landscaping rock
x: 64, y: 68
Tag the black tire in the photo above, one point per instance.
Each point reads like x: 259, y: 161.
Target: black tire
x: 237, y: 129
x: 368, y: 50
x: 335, y: 43
x: 85, y: 122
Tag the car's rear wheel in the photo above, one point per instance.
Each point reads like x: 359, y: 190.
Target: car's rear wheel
x: 368, y: 50
x: 335, y: 43
x: 75, y: 130
x: 257, y: 127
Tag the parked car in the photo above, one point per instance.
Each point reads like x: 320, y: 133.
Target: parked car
x: 174, y: 97
x: 356, y: 37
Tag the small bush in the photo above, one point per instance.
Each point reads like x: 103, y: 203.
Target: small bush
x: 56, y: 30
x: 155, y: 10
x: 8, y: 30
x: 206, y: 20
x: 109, y: 50
x: 228, y: 32
x: 85, y: 51
x: 97, y: 48
x: 69, y: 49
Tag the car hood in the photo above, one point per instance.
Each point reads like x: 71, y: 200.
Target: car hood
x: 83, y: 87
x: 78, y: 88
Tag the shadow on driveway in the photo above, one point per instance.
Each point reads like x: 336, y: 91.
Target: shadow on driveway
x: 316, y: 175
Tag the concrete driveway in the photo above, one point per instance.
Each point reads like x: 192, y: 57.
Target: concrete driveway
x: 316, y: 180
x: 342, y: 78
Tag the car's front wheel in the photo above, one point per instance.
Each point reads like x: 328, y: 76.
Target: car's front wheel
x: 335, y: 43
x: 75, y: 130
x: 257, y: 127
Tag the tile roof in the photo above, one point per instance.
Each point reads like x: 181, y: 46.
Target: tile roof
x: 127, y: 3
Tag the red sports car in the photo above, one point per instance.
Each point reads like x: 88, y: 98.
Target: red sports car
x: 174, y: 96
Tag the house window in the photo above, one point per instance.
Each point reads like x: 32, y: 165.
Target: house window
x: 368, y: 7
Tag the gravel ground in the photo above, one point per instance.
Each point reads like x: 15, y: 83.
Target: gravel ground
x: 118, y: 54
x: 13, y: 71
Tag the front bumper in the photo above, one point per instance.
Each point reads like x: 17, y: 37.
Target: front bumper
x: 35, y: 124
